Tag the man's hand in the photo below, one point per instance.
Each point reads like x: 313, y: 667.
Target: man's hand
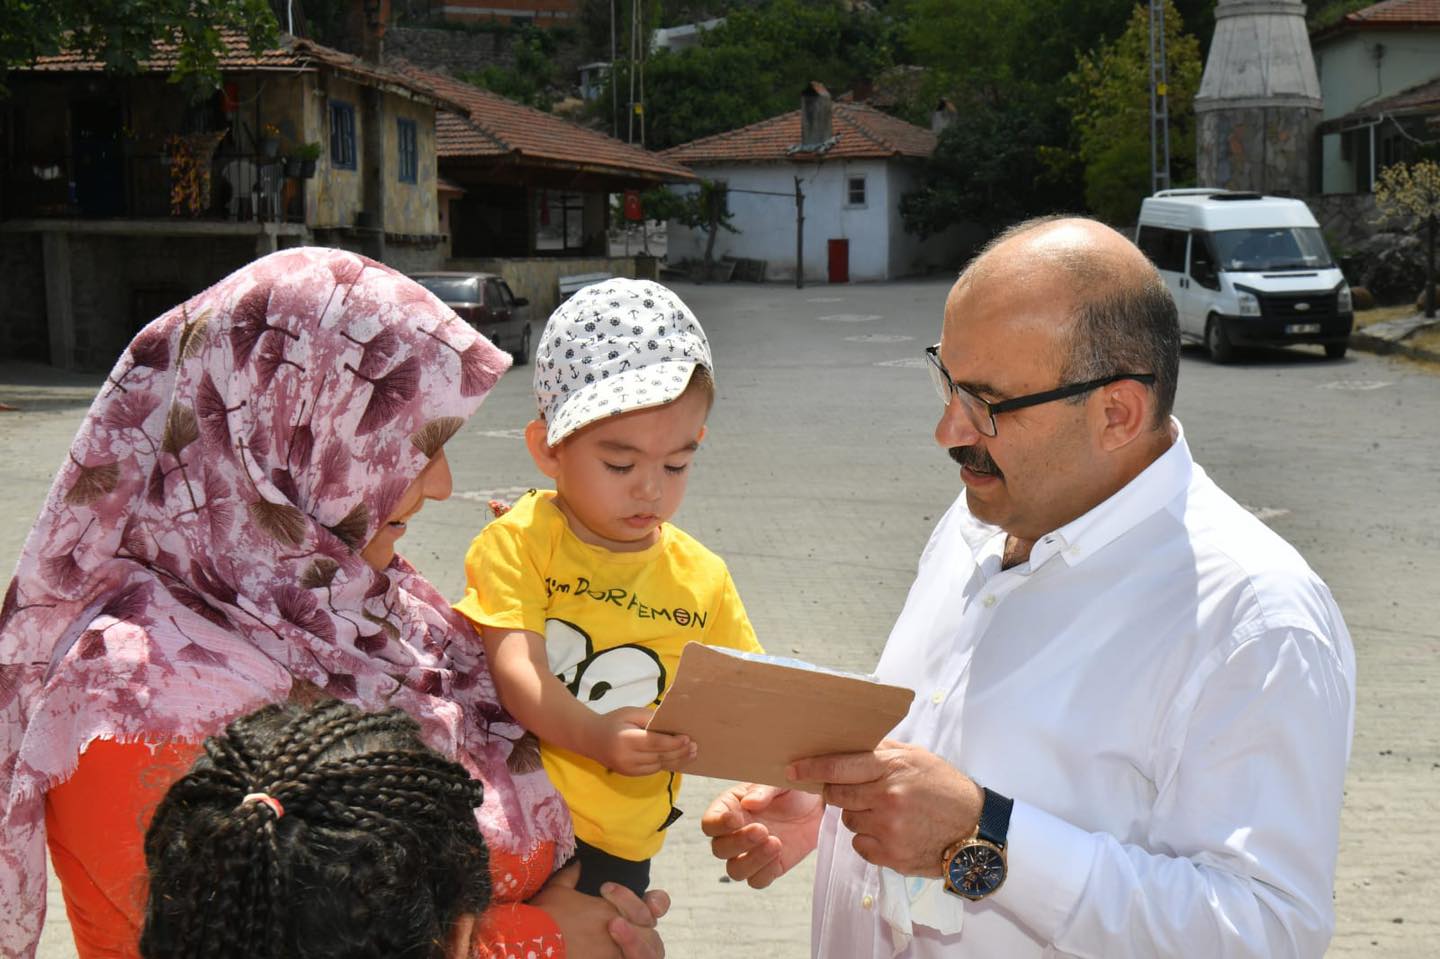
x: 905, y: 805
x: 625, y: 746
x: 761, y: 831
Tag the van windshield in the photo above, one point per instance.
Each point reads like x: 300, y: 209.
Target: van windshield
x: 1271, y: 248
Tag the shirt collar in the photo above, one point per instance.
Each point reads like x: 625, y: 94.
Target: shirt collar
x: 1146, y: 494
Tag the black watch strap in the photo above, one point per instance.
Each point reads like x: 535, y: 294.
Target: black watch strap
x: 995, y: 817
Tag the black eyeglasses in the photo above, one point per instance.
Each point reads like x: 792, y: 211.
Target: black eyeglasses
x: 982, y: 413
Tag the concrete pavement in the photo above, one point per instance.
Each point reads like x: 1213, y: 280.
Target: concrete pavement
x: 819, y: 483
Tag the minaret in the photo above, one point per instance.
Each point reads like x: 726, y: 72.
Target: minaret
x: 1259, y: 100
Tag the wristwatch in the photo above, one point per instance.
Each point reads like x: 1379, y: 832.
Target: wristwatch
x: 975, y: 867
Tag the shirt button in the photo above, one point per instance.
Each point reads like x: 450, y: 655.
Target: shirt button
x: 937, y: 697
x: 989, y: 601
x: 868, y: 901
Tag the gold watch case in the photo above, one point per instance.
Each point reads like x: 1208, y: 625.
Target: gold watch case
x: 974, y: 868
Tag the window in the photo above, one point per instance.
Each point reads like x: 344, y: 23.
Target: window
x: 409, y: 153
x: 1202, y: 261
x: 342, y: 135
x: 493, y: 300
x: 1165, y: 248
x: 855, y: 191
x: 561, y: 221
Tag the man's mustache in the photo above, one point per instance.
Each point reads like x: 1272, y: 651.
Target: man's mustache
x: 976, y: 459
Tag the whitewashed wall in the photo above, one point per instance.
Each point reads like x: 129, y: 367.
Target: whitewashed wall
x: 767, y: 223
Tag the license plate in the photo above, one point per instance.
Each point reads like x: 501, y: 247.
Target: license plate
x: 1302, y: 328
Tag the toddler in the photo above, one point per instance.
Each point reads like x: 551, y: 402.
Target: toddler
x: 586, y: 595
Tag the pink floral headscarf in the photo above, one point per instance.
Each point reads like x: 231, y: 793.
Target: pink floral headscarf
x: 198, y: 551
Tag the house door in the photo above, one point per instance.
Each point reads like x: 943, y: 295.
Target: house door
x: 99, y: 175
x: 839, y: 258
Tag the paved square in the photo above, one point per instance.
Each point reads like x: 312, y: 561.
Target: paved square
x: 819, y: 483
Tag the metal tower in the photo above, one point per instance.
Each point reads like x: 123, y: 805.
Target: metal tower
x: 1159, y: 102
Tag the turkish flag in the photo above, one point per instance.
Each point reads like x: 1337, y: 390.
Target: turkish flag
x: 633, y: 211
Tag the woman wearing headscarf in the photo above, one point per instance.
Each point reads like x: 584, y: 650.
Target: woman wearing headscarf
x: 222, y: 536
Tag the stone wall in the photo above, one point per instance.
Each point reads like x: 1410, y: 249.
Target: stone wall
x: 1262, y: 148
x: 459, y: 52
x: 456, y: 51
x: 117, y: 284
x: 24, y: 334
x: 1348, y: 219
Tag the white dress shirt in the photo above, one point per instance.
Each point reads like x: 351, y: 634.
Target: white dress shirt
x: 1166, y: 690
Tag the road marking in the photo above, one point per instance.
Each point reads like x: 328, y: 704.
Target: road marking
x: 1266, y: 513
x: 908, y: 363
x: 515, y: 434
x: 1356, y: 386
x: 880, y: 338
x: 826, y: 299
x: 851, y: 317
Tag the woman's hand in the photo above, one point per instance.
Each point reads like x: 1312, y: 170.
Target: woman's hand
x: 618, y: 926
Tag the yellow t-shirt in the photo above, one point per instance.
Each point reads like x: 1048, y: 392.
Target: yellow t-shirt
x: 614, y: 625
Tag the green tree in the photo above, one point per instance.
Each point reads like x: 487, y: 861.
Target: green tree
x: 533, y: 78
x: 989, y: 167
x: 754, y: 65
x: 121, y: 33
x: 1411, y: 191
x: 706, y: 208
x: 1110, y: 101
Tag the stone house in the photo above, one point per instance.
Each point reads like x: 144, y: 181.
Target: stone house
x: 119, y: 197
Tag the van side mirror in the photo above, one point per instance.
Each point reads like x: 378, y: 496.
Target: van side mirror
x: 1202, y: 271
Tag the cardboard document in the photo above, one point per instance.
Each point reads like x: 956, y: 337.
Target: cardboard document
x: 751, y: 715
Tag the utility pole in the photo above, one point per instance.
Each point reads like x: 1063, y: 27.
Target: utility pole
x: 615, y: 94
x: 1159, y: 102
x: 634, y: 39
x: 799, y: 236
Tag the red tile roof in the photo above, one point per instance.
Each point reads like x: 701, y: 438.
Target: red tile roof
x: 1397, y: 13
x: 862, y: 133
x: 491, y: 126
x: 291, y: 54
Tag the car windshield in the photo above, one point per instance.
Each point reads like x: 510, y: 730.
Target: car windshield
x: 1271, y: 248
x: 452, y: 289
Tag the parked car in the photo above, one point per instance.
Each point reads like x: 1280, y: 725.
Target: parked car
x: 485, y: 302
x: 1246, y: 269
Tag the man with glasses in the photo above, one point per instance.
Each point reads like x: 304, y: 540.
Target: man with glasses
x: 1134, y: 701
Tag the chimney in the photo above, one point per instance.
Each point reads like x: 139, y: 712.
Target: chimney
x: 815, y: 127
x: 365, y: 29
x: 943, y: 116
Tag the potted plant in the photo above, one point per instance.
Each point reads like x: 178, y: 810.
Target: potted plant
x: 269, y: 140
x: 308, y: 154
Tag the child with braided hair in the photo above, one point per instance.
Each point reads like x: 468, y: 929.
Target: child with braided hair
x: 319, y: 832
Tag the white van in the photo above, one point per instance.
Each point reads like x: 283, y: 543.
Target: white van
x: 1246, y: 269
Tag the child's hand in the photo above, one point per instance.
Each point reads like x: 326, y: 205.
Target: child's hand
x: 627, y: 747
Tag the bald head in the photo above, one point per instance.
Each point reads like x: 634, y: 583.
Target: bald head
x: 1122, y: 318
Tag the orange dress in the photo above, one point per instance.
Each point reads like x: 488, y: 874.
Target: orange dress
x: 96, y: 821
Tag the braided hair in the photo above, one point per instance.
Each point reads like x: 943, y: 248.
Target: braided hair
x: 363, y: 842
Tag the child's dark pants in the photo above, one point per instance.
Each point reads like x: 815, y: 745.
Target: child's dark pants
x: 598, y: 867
